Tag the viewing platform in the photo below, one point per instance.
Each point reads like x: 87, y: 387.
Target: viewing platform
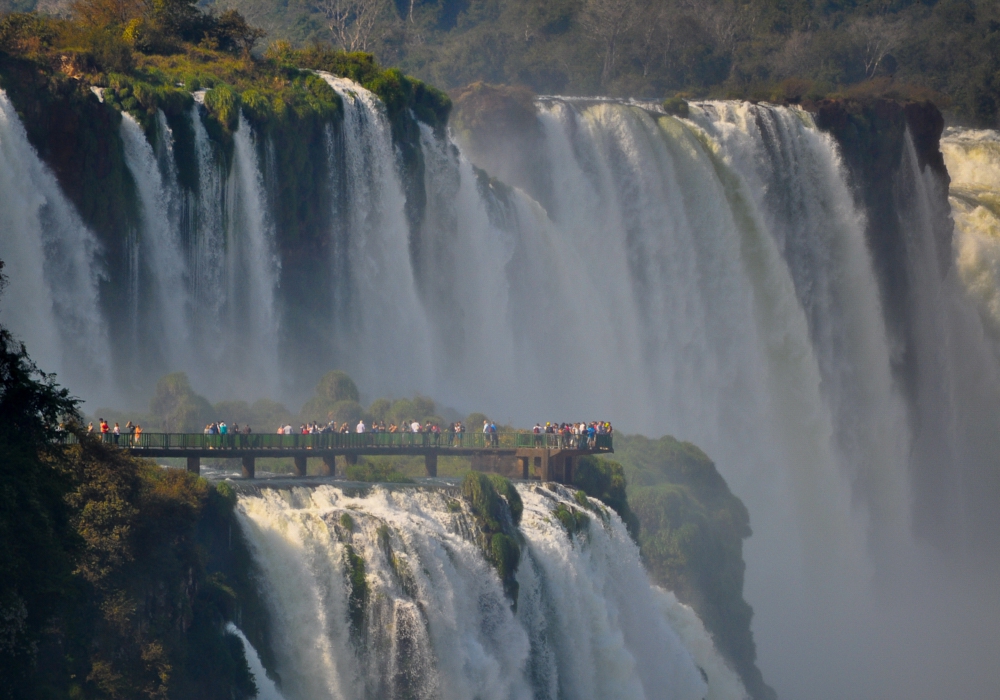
x: 545, y: 456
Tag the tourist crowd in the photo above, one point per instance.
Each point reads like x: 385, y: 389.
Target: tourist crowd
x: 563, y: 435
x: 132, y: 432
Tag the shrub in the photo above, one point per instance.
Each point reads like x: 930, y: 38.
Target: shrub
x: 373, y: 472
x: 506, y: 489
x: 604, y: 480
x: 677, y: 106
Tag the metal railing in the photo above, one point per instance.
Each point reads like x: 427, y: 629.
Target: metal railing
x: 347, y: 441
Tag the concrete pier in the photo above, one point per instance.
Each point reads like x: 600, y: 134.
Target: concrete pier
x: 300, y: 465
x: 329, y: 466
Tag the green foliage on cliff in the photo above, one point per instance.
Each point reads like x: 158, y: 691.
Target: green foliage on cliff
x: 104, y: 590
x: 604, y: 480
x: 397, y: 91
x: 37, y: 540
x: 493, y: 501
x: 691, y: 532
x: 357, y: 598
x: 748, y: 48
x: 572, y: 519
x: 147, y: 618
x: 505, y: 488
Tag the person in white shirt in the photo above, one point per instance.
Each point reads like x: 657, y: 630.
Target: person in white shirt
x: 361, y: 426
x: 415, y: 426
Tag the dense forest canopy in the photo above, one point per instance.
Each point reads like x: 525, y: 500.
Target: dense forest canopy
x: 947, y: 49
x: 783, y: 50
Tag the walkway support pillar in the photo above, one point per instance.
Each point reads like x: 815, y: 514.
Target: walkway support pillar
x: 545, y: 468
x: 194, y: 465
x: 249, y: 470
x: 300, y: 465
x: 329, y: 466
x: 525, y: 467
x: 431, y: 463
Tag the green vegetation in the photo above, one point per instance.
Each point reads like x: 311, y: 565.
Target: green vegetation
x: 105, y: 587
x: 357, y: 599
x: 347, y: 522
x: 375, y: 471
x: 604, y: 480
x: 144, y: 57
x: 691, y: 532
x: 572, y: 519
x: 761, y: 49
x: 492, y: 505
x: 676, y: 106
x: 506, y: 489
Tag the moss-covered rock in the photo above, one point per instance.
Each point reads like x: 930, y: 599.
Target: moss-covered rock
x: 691, y: 538
x: 347, y: 522
x: 505, y: 488
x: 357, y: 598
x: 572, y: 519
x: 492, y: 500
x: 604, y: 480
x: 676, y: 106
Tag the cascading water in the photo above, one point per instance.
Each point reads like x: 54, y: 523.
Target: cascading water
x: 53, y: 268
x: 161, y: 248
x: 434, y: 621
x: 251, y: 268
x: 973, y: 161
x: 374, y: 302
x: 266, y: 689
x: 707, y: 277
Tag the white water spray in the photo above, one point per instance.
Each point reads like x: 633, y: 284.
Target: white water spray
x: 52, y: 265
x: 266, y: 689
x: 437, y: 623
x: 377, y: 305
x: 161, y: 248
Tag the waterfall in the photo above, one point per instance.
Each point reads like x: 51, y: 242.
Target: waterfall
x: 436, y: 622
x: 53, y: 267
x: 208, y: 250
x: 973, y: 161
x: 252, y: 271
x: 376, y: 307
x: 162, y: 255
x: 266, y: 690
x: 708, y: 277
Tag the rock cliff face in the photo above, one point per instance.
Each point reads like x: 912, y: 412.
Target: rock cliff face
x: 882, y: 141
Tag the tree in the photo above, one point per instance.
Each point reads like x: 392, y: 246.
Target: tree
x: 877, y: 37
x: 351, y: 21
x: 337, y: 386
x: 108, y: 13
x: 235, y: 32
x: 608, y: 21
x: 177, y: 406
x: 35, y: 533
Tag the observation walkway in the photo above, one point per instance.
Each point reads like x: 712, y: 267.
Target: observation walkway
x: 546, y: 456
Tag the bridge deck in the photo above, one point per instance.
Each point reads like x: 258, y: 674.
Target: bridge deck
x: 552, y: 456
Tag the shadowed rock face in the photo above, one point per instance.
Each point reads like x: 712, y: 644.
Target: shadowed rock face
x: 872, y: 137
